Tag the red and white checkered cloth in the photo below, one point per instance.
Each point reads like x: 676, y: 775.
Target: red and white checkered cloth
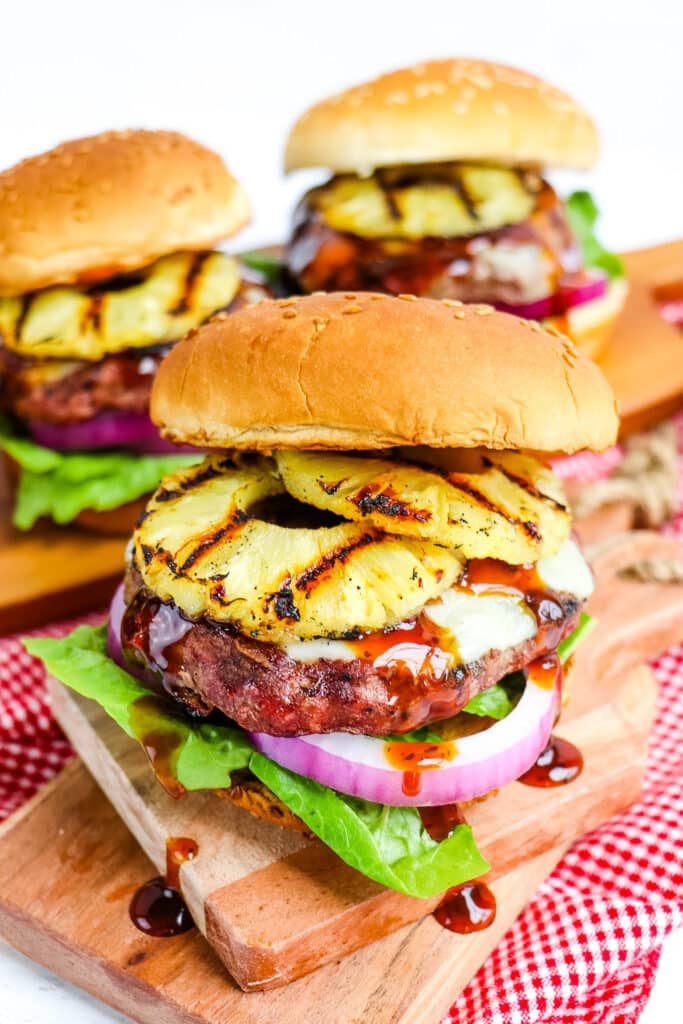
x: 586, y: 950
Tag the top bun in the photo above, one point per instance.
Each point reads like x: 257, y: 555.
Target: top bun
x: 93, y: 207
x: 368, y: 371
x: 444, y: 110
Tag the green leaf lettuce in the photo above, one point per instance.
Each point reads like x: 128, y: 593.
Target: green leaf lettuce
x: 63, y: 484
x: 583, y: 213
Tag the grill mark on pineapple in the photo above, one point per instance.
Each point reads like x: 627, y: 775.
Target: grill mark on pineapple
x: 389, y: 195
x: 459, y: 484
x: 92, y: 314
x: 526, y: 485
x: 234, y: 523
x: 26, y: 304
x: 384, y: 500
x: 188, y: 285
x: 314, y: 575
x: 282, y: 602
x: 457, y: 183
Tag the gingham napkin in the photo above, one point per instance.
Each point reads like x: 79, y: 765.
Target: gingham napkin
x: 587, y: 947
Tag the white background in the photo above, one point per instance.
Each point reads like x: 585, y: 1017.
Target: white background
x: 236, y: 74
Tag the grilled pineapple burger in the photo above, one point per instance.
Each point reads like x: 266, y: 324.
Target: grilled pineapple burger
x: 356, y: 608
x: 106, y: 259
x: 437, y: 190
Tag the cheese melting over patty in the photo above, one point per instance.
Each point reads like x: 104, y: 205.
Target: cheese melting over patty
x: 478, y: 623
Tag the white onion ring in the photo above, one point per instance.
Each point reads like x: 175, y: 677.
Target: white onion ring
x: 357, y: 765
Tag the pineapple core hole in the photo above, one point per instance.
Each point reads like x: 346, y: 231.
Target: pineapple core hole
x: 283, y: 510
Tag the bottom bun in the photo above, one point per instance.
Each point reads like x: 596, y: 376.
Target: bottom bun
x: 252, y: 796
x: 121, y: 520
x: 591, y: 324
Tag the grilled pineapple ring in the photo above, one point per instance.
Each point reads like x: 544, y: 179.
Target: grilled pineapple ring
x: 441, y: 200
x: 201, y: 546
x: 512, y: 508
x: 157, y: 304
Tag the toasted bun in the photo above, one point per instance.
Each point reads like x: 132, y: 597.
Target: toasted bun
x: 444, y: 110
x: 368, y: 371
x: 112, y: 202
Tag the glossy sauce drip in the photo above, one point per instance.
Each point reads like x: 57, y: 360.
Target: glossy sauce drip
x: 489, y: 576
x: 440, y: 822
x: 414, y: 758
x: 561, y: 762
x: 467, y: 908
x: 161, y: 737
x: 158, y: 908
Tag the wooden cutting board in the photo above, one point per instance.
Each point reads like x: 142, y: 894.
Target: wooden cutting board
x: 274, y: 905
x: 644, y: 358
x: 53, y: 572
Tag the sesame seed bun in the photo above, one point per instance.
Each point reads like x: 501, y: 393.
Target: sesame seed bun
x: 369, y: 371
x: 454, y: 109
x: 93, y: 207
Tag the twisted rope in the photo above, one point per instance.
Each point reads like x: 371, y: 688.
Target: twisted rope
x: 647, y: 476
x: 655, y: 570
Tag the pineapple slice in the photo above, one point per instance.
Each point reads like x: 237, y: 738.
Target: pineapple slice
x: 438, y: 200
x: 511, y: 507
x: 204, y: 544
x: 157, y: 304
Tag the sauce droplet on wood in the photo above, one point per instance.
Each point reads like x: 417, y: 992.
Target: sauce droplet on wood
x: 561, y: 762
x: 158, y: 908
x: 467, y: 908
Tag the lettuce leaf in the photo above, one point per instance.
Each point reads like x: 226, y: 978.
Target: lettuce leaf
x: 387, y: 844
x: 271, y: 267
x: 62, y: 484
x: 491, y: 703
x: 583, y: 213
x: 570, y: 643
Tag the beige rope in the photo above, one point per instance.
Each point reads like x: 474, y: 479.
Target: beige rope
x: 655, y: 570
x: 647, y: 476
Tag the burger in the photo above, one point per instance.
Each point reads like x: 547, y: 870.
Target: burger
x: 107, y: 258
x: 354, y: 612
x: 437, y: 190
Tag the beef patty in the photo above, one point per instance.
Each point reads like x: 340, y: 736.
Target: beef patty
x: 76, y: 392
x: 208, y: 666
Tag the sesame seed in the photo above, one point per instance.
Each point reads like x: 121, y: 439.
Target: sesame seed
x: 352, y: 309
x: 459, y: 314
x: 319, y: 293
x: 349, y: 295
x: 288, y: 302
x: 451, y: 302
x: 289, y: 314
x: 483, y: 310
x: 376, y: 295
x: 408, y: 298
x: 219, y: 316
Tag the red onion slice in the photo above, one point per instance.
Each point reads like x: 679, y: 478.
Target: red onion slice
x: 129, y: 430
x: 358, y: 765
x: 594, y: 285
x: 539, y: 309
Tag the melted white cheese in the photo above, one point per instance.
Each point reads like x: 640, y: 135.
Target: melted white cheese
x: 477, y: 622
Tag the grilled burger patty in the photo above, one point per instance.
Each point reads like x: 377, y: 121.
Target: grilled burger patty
x: 65, y: 393
x: 208, y: 666
x: 513, y: 264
